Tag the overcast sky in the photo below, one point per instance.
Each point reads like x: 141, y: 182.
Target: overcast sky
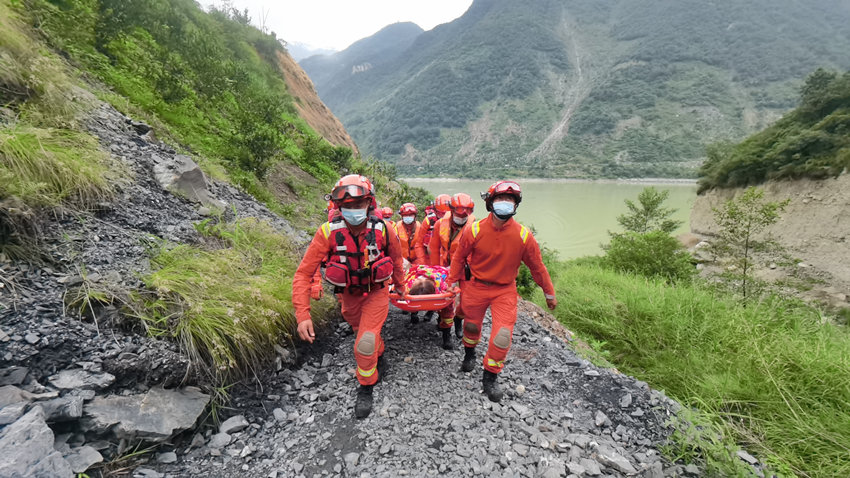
x: 336, y: 24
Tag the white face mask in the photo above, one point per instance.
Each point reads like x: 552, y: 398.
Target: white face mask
x: 504, y: 209
x: 355, y: 217
x: 460, y: 221
x: 408, y: 219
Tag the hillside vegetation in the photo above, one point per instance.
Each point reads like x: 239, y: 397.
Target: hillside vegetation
x: 609, y: 88
x: 811, y: 141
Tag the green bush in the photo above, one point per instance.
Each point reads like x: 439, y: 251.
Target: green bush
x: 653, y: 254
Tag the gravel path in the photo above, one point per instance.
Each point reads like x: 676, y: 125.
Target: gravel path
x: 560, y: 415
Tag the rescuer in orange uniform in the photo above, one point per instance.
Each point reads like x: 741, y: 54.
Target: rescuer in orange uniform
x: 493, y: 248
x: 444, y: 242
x: 407, y: 228
x: 362, y: 255
x: 439, y: 208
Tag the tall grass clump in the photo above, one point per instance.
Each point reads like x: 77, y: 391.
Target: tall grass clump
x: 49, y: 167
x: 773, y: 372
x: 227, y: 305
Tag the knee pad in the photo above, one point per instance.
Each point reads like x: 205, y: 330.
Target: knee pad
x: 470, y: 327
x: 366, y: 344
x: 503, y: 338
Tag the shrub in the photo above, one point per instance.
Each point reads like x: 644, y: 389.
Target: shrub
x: 654, y: 254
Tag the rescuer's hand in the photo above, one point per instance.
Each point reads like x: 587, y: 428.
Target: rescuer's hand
x: 305, y: 331
x: 551, y: 303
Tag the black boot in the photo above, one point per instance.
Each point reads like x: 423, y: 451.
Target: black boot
x: 458, y: 327
x: 491, y: 388
x: 414, y: 317
x: 447, y: 339
x: 428, y: 315
x: 363, y: 405
x: 468, y: 359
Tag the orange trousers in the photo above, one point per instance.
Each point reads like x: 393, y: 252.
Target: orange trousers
x: 447, y: 315
x: 502, y: 301
x: 366, y: 314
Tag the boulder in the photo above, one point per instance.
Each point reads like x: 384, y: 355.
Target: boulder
x: 154, y: 416
x: 62, y: 409
x: 26, y: 449
x: 183, y: 177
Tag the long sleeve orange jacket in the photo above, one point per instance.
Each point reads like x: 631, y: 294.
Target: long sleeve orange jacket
x: 494, y: 254
x: 419, y: 243
x: 318, y: 250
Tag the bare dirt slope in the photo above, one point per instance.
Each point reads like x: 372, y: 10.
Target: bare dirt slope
x: 814, y: 230
x: 309, y: 106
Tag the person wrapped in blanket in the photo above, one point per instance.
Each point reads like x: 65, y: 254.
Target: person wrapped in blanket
x: 424, y: 280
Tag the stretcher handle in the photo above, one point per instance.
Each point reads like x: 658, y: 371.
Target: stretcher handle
x: 421, y: 298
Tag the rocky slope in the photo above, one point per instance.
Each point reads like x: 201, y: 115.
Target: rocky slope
x: 814, y: 229
x: 76, y: 391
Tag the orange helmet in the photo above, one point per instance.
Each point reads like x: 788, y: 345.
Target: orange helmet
x: 352, y: 188
x: 387, y: 212
x: 499, y: 188
x: 461, y: 204
x: 407, y: 209
x: 442, y: 203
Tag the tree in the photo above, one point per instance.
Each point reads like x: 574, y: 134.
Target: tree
x: 649, y: 215
x: 741, y: 220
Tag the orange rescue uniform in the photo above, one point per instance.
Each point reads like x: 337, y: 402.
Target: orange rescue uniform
x: 444, y: 242
x: 422, y: 240
x: 407, y: 235
x: 494, y: 256
x: 365, y: 311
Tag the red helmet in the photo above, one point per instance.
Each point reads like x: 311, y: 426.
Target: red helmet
x: 442, y: 203
x: 499, y: 188
x: 462, y: 204
x: 387, y: 212
x: 352, y: 188
x: 407, y: 209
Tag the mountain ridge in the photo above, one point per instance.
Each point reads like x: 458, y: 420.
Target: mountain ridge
x: 585, y: 89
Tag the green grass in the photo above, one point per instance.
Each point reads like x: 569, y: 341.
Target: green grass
x: 49, y: 167
x: 227, y: 305
x: 773, y: 373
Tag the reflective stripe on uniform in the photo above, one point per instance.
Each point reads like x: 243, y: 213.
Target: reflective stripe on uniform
x: 493, y: 363
x: 523, y: 233
x: 326, y: 229
x: 366, y: 373
x: 475, y: 228
x: 471, y: 341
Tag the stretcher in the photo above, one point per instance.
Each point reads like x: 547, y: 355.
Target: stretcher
x: 415, y: 303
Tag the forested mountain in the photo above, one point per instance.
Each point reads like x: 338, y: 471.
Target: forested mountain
x: 813, y: 140
x: 581, y: 88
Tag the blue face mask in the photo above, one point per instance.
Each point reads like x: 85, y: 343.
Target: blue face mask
x: 355, y: 217
x: 408, y: 219
x: 504, y: 209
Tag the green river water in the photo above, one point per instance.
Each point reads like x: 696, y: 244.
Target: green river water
x: 571, y: 217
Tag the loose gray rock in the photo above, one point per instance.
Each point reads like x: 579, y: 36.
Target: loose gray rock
x: 155, y: 416
x: 626, y: 400
x: 351, y: 459
x: 233, y: 425
x: 62, y: 409
x: 184, y: 177
x: 167, y: 457
x: 610, y: 458
x: 12, y: 412
x: 591, y: 467
x: 219, y: 440
x: 80, y: 379
x: 13, y: 375
x: 83, y: 458
x: 747, y: 457
x: 32, y: 339
x: 26, y: 448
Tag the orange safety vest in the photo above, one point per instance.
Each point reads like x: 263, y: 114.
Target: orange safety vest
x: 446, y: 239
x: 401, y: 230
x: 354, y: 265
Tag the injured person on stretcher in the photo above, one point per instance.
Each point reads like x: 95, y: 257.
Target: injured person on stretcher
x: 427, y: 290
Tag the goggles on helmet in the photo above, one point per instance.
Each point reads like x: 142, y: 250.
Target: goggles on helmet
x: 507, y: 187
x: 353, y: 191
x: 461, y: 210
